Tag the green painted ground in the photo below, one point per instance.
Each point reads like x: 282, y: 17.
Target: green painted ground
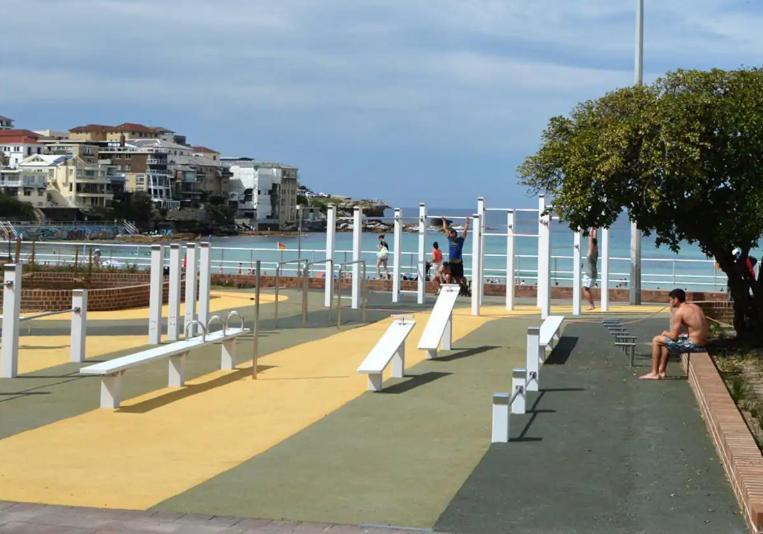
x: 601, y: 452
x: 395, y: 457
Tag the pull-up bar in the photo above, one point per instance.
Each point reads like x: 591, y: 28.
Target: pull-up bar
x: 447, y: 217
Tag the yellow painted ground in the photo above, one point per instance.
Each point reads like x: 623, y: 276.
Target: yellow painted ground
x: 221, y: 300
x: 41, y: 352
x: 170, y: 440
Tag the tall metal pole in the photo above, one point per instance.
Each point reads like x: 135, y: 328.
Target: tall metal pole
x: 634, y: 296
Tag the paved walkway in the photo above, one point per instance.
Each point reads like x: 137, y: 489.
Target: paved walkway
x: 600, y: 451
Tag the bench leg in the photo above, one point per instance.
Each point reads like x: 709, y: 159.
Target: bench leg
x: 111, y: 390
x: 431, y: 354
x: 398, y: 362
x: 177, y: 370
x: 374, y: 381
x: 500, y: 430
x: 447, y: 335
x: 228, y: 354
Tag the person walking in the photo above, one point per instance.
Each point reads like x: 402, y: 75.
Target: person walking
x: 382, y: 258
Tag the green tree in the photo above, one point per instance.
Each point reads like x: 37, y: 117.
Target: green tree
x: 136, y: 207
x: 12, y: 208
x: 684, y: 156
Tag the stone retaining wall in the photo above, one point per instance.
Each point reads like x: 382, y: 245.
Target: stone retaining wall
x: 735, y: 445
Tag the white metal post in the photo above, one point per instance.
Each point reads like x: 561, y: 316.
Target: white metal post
x: 205, y: 281
x: 476, y: 263
x: 576, y: 274
x: 541, y: 208
x: 544, y: 267
x: 634, y: 294
x: 397, y: 255
x: 532, y: 362
x: 481, y: 213
x: 421, y: 286
x: 328, y: 277
x: 11, y: 319
x: 173, y: 314
x: 500, y: 432
x: 77, y: 346
x: 357, y: 237
x: 190, y: 288
x: 604, y: 242
x: 156, y: 295
x: 519, y: 383
x: 510, y: 260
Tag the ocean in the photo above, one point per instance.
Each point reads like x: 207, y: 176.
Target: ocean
x: 661, y: 268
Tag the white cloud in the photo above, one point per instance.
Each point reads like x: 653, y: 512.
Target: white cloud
x: 449, y: 78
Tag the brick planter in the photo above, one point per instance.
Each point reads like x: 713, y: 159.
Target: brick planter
x: 52, y: 291
x: 733, y: 441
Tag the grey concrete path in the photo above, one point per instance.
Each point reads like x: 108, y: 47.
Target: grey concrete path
x: 43, y: 519
x: 600, y: 451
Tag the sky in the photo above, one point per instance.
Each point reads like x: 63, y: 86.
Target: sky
x: 401, y: 100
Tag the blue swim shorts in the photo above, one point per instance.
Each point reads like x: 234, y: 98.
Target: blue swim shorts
x: 682, y: 345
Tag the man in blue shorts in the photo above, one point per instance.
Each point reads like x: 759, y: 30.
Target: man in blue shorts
x: 455, y: 254
x: 685, y: 315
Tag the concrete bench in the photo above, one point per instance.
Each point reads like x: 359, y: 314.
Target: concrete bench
x: 111, y: 371
x: 391, y: 346
x: 438, y: 331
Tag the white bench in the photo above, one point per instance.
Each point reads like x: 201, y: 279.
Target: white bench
x: 111, y: 371
x: 438, y: 331
x: 539, y: 341
x: 391, y: 346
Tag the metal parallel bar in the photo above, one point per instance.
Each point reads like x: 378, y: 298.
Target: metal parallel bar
x: 364, y: 291
x: 47, y: 314
x: 256, y: 326
x: 277, y: 284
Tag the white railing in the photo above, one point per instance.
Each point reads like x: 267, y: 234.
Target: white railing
x: 666, y: 272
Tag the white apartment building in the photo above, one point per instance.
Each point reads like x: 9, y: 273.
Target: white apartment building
x: 71, y: 182
x: 15, y: 145
x: 264, y: 191
x: 26, y: 186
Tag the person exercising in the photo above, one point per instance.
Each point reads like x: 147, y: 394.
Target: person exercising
x: 455, y: 254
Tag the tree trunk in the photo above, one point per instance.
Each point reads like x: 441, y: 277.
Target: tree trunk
x: 747, y: 295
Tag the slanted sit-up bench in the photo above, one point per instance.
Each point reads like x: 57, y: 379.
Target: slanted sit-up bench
x: 438, y: 331
x: 391, y: 346
x: 111, y: 371
x: 550, y: 332
x: 540, y: 341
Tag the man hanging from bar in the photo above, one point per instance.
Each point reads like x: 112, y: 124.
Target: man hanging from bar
x: 590, y: 272
x: 455, y: 255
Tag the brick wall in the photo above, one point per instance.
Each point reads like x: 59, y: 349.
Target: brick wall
x: 720, y: 310
x: 99, y: 299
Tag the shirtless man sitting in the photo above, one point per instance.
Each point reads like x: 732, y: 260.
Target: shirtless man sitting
x: 685, y: 314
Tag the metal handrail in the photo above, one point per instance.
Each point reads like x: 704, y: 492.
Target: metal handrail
x: 233, y: 313
x: 278, y: 277
x: 201, y: 325
x: 213, y: 318
x: 363, y: 290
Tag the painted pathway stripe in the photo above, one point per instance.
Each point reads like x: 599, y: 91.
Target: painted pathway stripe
x: 168, y: 441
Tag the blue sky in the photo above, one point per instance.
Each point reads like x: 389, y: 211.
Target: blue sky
x: 404, y: 100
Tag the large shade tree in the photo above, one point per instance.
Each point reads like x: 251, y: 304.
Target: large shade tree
x: 683, y: 156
